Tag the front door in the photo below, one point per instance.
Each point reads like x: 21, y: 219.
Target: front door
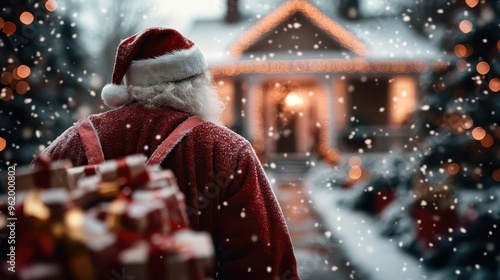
x: 290, y: 119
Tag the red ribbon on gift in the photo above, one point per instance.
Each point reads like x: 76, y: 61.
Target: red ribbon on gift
x: 41, y: 173
x: 125, y: 178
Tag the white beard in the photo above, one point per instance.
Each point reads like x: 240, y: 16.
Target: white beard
x: 194, y: 95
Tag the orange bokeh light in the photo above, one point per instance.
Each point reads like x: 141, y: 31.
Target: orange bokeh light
x: 498, y: 45
x: 487, y: 141
x: 2, y: 23
x: 460, y: 50
x: 6, y: 78
x: 22, y: 87
x: 3, y: 144
x: 453, y: 168
x: 23, y: 71
x: 51, y: 5
x: 483, y: 67
x: 461, y: 65
x: 496, y: 175
x: 472, y: 3
x: 355, y: 172
x: 465, y: 26
x: 9, y: 28
x: 494, y: 84
x: 355, y: 161
x: 6, y: 94
x: 478, y: 133
x: 26, y: 18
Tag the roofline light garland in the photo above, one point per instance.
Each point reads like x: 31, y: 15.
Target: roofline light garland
x: 332, y: 28
x: 356, y: 65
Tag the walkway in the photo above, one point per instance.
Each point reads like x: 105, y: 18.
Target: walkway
x: 319, y: 254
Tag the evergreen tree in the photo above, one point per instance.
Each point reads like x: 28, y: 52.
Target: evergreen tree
x: 42, y: 80
x: 460, y: 109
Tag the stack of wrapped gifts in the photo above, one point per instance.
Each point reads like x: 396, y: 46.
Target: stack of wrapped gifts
x: 117, y: 220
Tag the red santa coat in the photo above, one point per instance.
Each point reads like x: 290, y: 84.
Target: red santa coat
x: 227, y: 193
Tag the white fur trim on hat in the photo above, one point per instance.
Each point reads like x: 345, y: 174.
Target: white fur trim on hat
x: 170, y: 67
x: 115, y: 95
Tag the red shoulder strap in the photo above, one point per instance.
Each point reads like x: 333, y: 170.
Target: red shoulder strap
x: 90, y: 141
x: 175, y: 137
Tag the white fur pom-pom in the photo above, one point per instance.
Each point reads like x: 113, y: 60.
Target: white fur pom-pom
x: 115, y: 95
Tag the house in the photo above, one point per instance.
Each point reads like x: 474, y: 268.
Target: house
x: 301, y: 79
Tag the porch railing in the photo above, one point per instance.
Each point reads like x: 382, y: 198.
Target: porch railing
x: 375, y: 139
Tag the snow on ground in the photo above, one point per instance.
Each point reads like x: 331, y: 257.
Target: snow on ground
x: 359, y: 234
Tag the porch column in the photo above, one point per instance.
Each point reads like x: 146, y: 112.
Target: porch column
x: 238, y: 106
x: 252, y: 109
x: 329, y: 120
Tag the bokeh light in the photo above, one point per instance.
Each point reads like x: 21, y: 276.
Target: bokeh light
x: 355, y: 172
x: 478, y: 133
x: 487, y: 141
x: 453, y: 168
x: 465, y: 26
x: 6, y: 94
x: 27, y: 18
x: 472, y: 3
x: 9, y: 28
x: 51, y: 5
x: 6, y: 78
x: 3, y: 144
x: 494, y: 84
x: 460, y: 50
x: 2, y: 22
x: 483, y: 68
x: 496, y: 175
x: 355, y: 161
x: 22, y: 87
x: 23, y: 71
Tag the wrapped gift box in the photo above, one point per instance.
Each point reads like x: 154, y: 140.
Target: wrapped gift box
x: 43, y: 176
x: 125, y: 220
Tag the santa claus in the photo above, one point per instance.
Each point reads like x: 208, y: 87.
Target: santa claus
x: 161, y: 80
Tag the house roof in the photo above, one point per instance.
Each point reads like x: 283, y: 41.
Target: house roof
x: 312, y: 13
x: 375, y: 39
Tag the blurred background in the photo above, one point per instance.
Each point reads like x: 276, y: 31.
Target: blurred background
x: 375, y: 120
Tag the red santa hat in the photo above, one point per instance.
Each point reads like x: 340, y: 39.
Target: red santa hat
x: 152, y: 56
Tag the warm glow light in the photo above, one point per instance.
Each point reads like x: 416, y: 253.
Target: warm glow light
x: 2, y: 22
x: 355, y: 172
x: 487, y: 141
x: 461, y: 65
x: 483, y: 67
x: 6, y: 78
x: 23, y: 71
x: 460, y: 50
x: 355, y: 65
x: 287, y: 9
x: 494, y: 84
x: 465, y: 26
x: 26, y: 18
x: 3, y: 144
x: 498, y: 45
x: 496, y: 175
x: 22, y: 87
x: 293, y: 99
x: 467, y: 122
x: 453, y: 168
x: 9, y: 28
x: 355, y: 161
x: 51, y: 5
x: 6, y: 94
x: 472, y: 3
x: 478, y: 133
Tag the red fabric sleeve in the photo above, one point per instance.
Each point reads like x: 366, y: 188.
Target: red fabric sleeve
x: 67, y: 146
x: 251, y: 234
